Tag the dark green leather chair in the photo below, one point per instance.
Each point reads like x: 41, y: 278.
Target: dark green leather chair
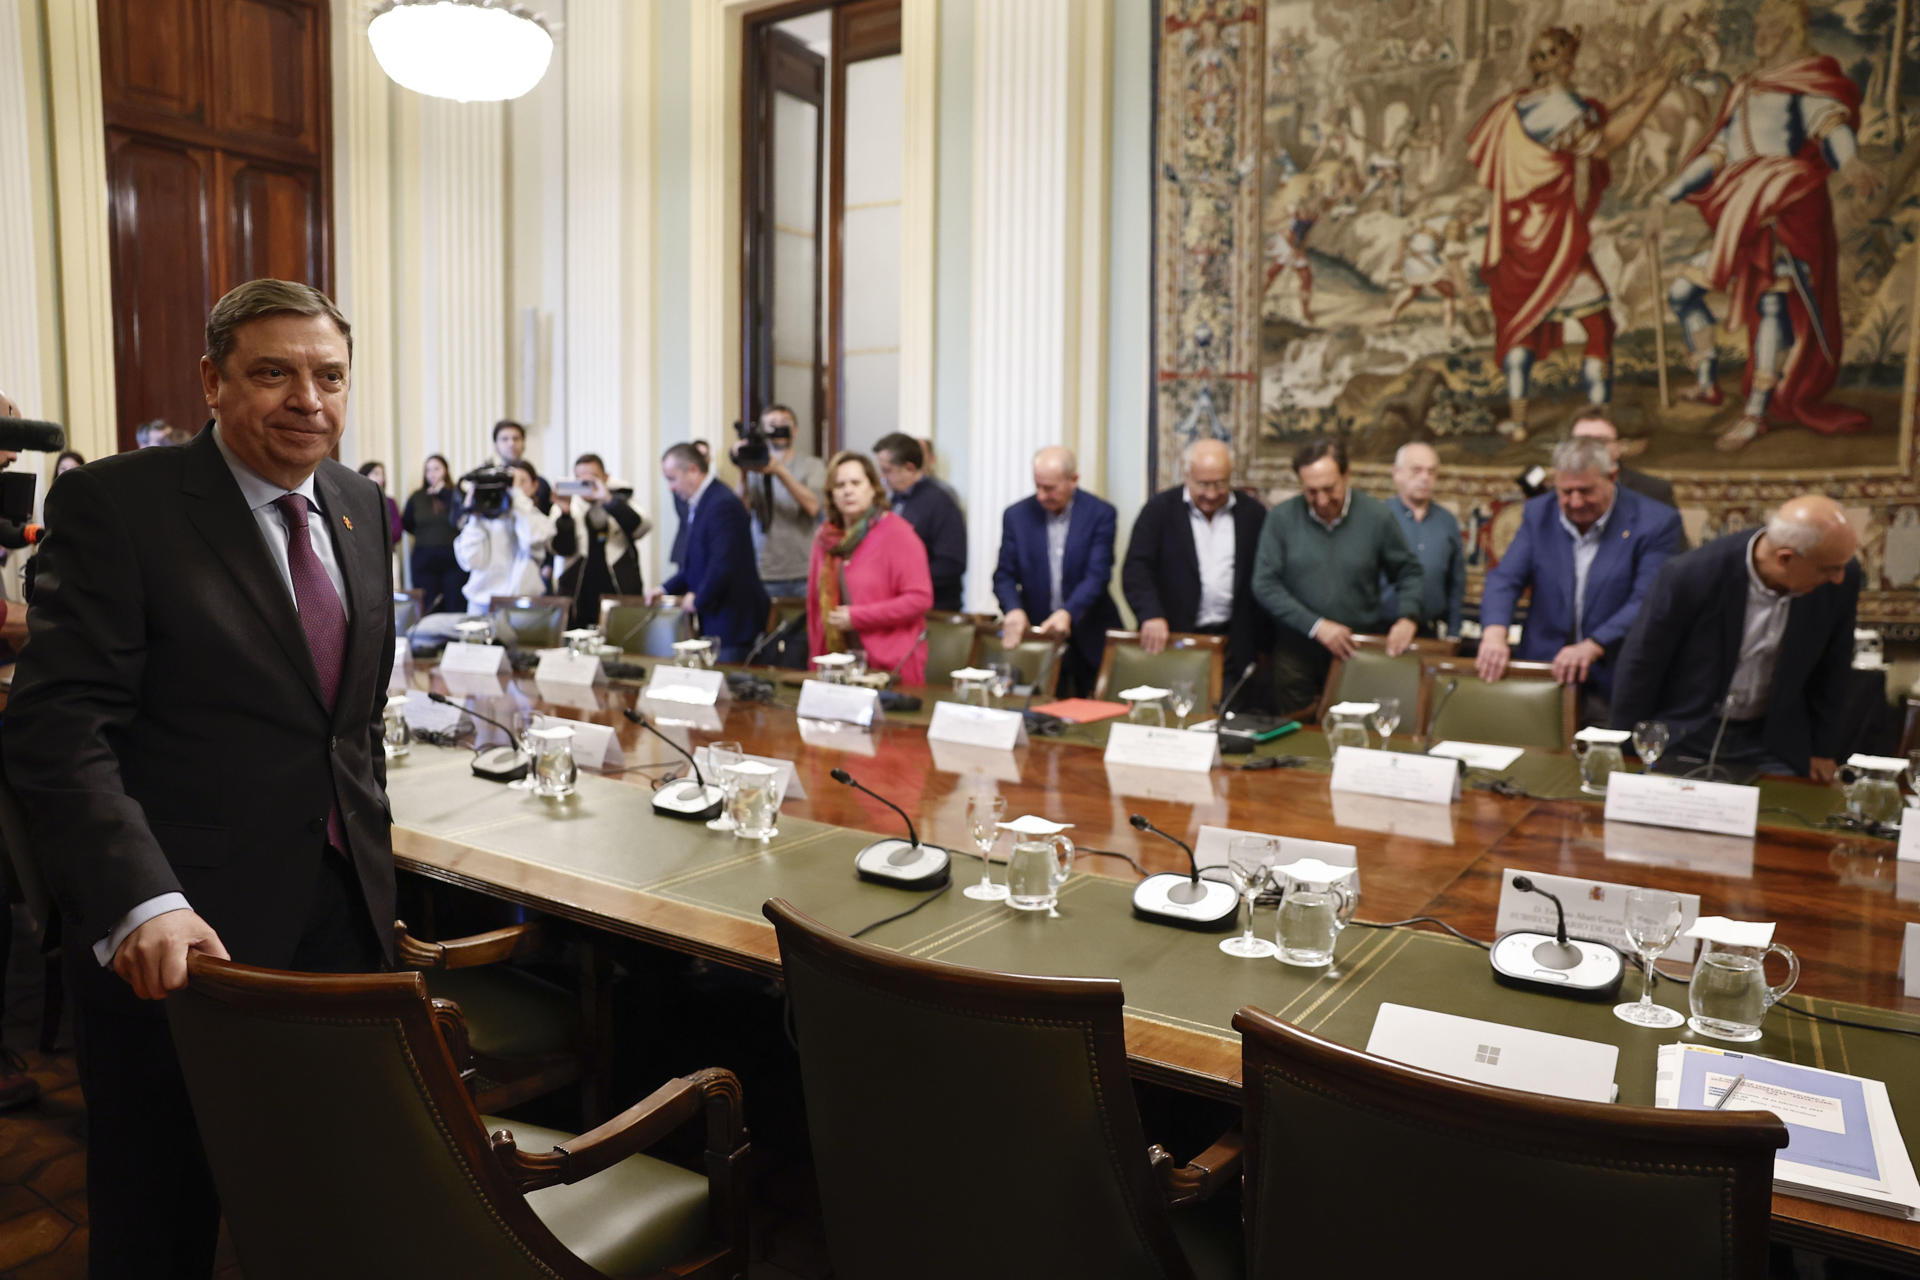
x: 1201, y: 659
x: 953, y: 641
x: 1341, y: 1144
x: 529, y: 622
x: 638, y: 627
x: 1036, y: 662
x: 969, y: 1124
x: 1370, y: 675
x: 1527, y: 708
x: 343, y: 1144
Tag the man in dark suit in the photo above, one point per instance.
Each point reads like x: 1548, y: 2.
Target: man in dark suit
x: 1594, y: 425
x: 720, y: 578
x: 930, y: 509
x: 1056, y: 555
x: 1171, y: 585
x: 195, y: 730
x: 1590, y: 550
x: 1758, y: 626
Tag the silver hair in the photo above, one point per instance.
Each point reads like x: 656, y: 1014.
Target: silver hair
x: 1400, y: 454
x: 1797, y: 536
x: 1581, y: 456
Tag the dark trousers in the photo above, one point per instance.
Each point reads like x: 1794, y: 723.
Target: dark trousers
x: 439, y: 579
x: 151, y: 1204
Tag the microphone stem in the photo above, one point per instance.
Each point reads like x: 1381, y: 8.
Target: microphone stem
x: 646, y: 724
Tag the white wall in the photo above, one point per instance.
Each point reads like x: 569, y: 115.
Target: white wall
x: 870, y: 241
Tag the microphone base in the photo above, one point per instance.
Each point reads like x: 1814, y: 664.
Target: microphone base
x: 928, y: 868
x: 1517, y: 962
x: 1218, y: 907
x: 689, y: 800
x: 502, y: 764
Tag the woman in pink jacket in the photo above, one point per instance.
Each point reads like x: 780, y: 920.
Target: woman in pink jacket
x: 868, y: 587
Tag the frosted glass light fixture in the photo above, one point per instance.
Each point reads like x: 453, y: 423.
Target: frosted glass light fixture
x: 466, y: 50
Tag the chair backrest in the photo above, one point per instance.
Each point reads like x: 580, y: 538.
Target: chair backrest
x: 953, y: 641
x: 1201, y: 659
x: 1003, y: 1101
x: 638, y: 627
x: 1527, y: 708
x: 1370, y: 675
x: 382, y: 1168
x: 1339, y: 1142
x: 1035, y: 661
x: 408, y: 608
x: 529, y: 622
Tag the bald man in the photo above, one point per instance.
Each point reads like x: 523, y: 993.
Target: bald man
x: 1433, y: 535
x: 1757, y: 627
x: 1189, y: 564
x: 1056, y: 556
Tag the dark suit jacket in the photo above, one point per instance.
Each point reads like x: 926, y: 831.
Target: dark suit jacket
x: 1661, y: 491
x: 1640, y: 535
x: 936, y: 517
x: 1022, y: 579
x: 1161, y: 574
x: 166, y: 730
x: 1679, y: 659
x: 721, y: 569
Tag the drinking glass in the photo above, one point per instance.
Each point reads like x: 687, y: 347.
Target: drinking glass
x: 1150, y: 711
x: 1649, y: 741
x: 524, y: 741
x: 1653, y: 920
x: 1002, y: 681
x: 857, y: 669
x: 984, y: 816
x: 1181, y: 696
x: 554, y: 773
x: 721, y: 757
x: 1249, y: 861
x: 757, y: 790
x: 397, y: 737
x: 1386, y: 718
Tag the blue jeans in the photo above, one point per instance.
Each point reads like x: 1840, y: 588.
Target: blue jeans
x: 786, y: 587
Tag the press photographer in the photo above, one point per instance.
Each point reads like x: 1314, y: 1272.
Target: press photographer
x: 784, y: 494
x: 598, y: 531
x: 503, y: 537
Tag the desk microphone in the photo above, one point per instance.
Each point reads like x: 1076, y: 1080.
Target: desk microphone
x: 696, y: 800
x: 904, y: 864
x: 1234, y: 740
x: 1184, y: 900
x: 496, y: 764
x: 1711, y: 771
x: 1246, y: 674
x: 1580, y: 968
x: 1433, y: 716
x: 778, y: 635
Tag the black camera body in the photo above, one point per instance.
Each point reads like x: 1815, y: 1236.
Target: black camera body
x: 492, y: 495
x: 754, y: 450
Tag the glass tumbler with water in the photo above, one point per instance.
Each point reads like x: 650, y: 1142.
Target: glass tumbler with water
x: 755, y: 793
x: 1347, y: 725
x: 1147, y: 706
x: 1037, y: 867
x: 1729, y: 994
x: 1600, y: 757
x: 1315, y: 905
x: 721, y: 756
x: 554, y: 773
x: 394, y: 731
x: 1874, y: 793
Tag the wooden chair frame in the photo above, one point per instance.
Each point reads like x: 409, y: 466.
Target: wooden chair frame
x: 1741, y: 1145
x: 433, y: 1036
x: 1216, y: 647
x: 1431, y: 668
x: 564, y: 603
x: 1375, y: 644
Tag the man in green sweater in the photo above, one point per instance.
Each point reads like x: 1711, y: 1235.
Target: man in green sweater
x: 1318, y: 571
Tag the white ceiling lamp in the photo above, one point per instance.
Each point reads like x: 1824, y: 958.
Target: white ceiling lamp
x: 466, y: 50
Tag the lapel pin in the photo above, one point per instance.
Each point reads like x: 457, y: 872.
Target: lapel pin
x: 1624, y: 533
x: 347, y: 521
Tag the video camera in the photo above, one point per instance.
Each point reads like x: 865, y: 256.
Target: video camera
x: 492, y: 495
x: 17, y: 488
x: 754, y: 450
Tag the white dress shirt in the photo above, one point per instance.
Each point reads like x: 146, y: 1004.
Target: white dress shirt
x: 1213, y: 548
x: 1057, y: 526
x: 1760, y: 635
x: 1585, y: 547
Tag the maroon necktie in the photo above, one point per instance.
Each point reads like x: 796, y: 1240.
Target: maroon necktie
x: 322, y: 617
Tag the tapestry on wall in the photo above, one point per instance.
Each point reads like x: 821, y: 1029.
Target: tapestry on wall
x: 1462, y: 221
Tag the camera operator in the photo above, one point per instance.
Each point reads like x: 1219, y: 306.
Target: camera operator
x: 600, y: 529
x: 502, y: 537
x: 510, y: 449
x: 784, y: 494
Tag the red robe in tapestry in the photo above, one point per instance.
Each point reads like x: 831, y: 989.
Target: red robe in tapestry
x: 1537, y: 237
x: 1762, y: 199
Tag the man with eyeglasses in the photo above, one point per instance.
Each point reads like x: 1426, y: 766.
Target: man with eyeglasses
x: 1189, y: 564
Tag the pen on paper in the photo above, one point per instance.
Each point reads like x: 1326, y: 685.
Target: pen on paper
x: 1727, y: 1096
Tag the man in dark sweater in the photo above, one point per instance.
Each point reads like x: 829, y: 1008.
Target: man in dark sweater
x: 931, y: 511
x: 1318, y: 571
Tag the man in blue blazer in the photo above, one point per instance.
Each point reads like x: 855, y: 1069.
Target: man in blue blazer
x: 1056, y: 557
x: 1590, y: 550
x: 720, y: 576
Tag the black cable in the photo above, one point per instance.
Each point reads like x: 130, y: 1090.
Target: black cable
x: 902, y: 915
x: 1844, y: 1022
x: 1396, y: 924
x: 1128, y: 858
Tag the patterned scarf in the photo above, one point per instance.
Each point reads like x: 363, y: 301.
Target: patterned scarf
x: 832, y: 584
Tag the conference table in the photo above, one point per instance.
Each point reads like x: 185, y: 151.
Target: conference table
x: 603, y: 858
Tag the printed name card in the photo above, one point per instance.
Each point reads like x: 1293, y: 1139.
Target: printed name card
x: 1396, y: 775
x: 791, y: 788
x: 848, y: 703
x: 1691, y: 805
x: 1211, y: 845
x: 595, y: 746
x: 977, y: 726
x: 473, y: 659
x: 1595, y: 909
x: 1910, y: 962
x: 1909, y: 850
x: 694, y: 686
x: 568, y: 666
x: 1148, y: 747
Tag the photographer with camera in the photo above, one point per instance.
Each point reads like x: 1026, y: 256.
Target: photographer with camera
x: 784, y: 494
x: 510, y: 449
x: 503, y: 536
x: 600, y: 529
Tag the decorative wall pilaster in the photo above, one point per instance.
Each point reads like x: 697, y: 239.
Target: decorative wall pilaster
x: 21, y: 246
x: 919, y: 195
x: 363, y: 267
x: 599, y: 386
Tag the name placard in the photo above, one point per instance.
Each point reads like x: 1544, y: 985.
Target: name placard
x: 1691, y: 805
x: 695, y: 686
x: 1144, y: 746
x: 977, y: 726
x: 566, y: 666
x: 1910, y: 962
x: 1396, y: 775
x: 1595, y: 909
x: 791, y: 788
x: 680, y: 715
x: 1909, y: 848
x: 595, y: 746
x: 848, y: 703
x: 1211, y: 845
x: 473, y: 659
x: 473, y: 684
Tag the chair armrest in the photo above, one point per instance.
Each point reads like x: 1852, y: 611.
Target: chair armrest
x: 1200, y: 1177
x: 464, y: 953
x: 714, y: 1093
x: 452, y: 1026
